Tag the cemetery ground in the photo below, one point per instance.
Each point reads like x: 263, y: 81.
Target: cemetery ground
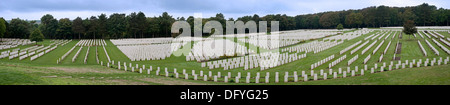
x: 45, y: 70
x: 23, y: 74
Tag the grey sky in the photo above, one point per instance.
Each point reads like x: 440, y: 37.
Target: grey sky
x: 35, y: 9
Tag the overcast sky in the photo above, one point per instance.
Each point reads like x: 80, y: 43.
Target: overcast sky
x: 35, y: 9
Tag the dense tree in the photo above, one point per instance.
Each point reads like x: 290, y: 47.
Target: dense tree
x: 77, y: 27
x: 87, y: 26
x: 93, y: 27
x: 153, y: 27
x: 116, y: 25
x: 142, y: 23
x: 383, y: 16
x: 442, y: 16
x: 49, y: 26
x: 33, y: 25
x: 354, y: 19
x: 64, y: 29
x: 102, y: 21
x: 19, y: 28
x: 407, y: 15
x: 424, y: 14
x: 166, y: 23
x: 329, y: 19
x: 37, y: 36
x: 132, y: 25
x: 2, y: 28
x: 137, y: 25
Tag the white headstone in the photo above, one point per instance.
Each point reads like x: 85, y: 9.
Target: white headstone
x: 276, y: 77
x: 344, y: 74
x: 225, y: 79
x: 195, y: 77
x: 201, y: 73
x: 218, y: 75
x: 321, y: 72
x: 210, y: 74
x: 334, y: 75
x: 215, y: 78
x: 340, y: 71
x: 362, y: 71
x: 353, y: 73
x: 305, y: 78
x: 315, y: 77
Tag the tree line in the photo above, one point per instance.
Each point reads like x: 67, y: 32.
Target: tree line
x: 137, y: 25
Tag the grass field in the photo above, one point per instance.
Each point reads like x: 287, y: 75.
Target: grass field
x: 45, y: 70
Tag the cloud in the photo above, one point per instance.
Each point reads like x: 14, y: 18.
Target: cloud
x: 34, y: 9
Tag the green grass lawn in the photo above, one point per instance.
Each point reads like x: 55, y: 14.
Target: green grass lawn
x: 13, y: 74
x: 17, y: 71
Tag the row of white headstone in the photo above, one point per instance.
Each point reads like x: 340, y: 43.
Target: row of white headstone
x: 359, y: 47
x: 91, y: 42
x: 432, y: 48
x: 309, y: 47
x: 420, y: 34
x: 366, y: 59
x: 317, y: 64
x: 352, y: 60
x: 216, y: 48
x: 87, y: 53
x: 343, y: 37
x: 387, y: 36
x: 327, y: 46
x: 421, y: 48
x: 438, y: 34
x: 96, y: 55
x: 266, y: 60
x: 148, y: 41
x: 21, y: 52
x: 146, y: 52
x: 42, y: 53
x: 378, y: 47
x: 444, y: 41
x: 350, y: 47
x: 335, y: 62
x: 76, y: 54
x: 65, y: 55
x: 426, y: 34
x: 46, y: 50
x: 432, y: 34
x: 30, y: 51
x: 381, y: 58
x: 441, y: 46
x: 7, y: 46
x: 287, y: 76
x: 370, y: 36
x: 14, y: 42
x: 368, y: 47
x: 387, y: 47
x: 60, y: 42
